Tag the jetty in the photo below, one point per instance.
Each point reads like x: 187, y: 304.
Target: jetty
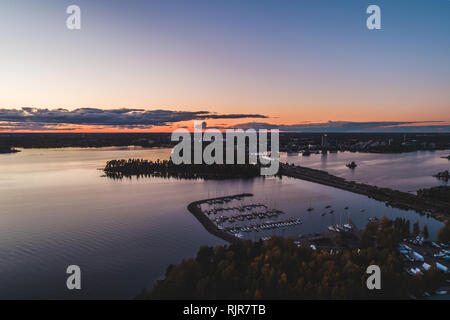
x: 264, y: 226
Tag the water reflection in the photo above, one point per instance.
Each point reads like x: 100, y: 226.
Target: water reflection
x: 57, y: 209
x: 402, y: 171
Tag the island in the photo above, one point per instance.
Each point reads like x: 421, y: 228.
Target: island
x: 118, y: 169
x: 444, y: 175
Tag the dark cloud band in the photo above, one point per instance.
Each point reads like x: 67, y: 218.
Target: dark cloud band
x: 127, y: 118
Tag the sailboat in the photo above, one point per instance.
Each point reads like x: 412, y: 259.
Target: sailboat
x: 339, y: 226
x: 348, y: 226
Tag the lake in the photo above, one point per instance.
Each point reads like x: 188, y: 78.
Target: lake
x: 58, y: 209
x: 407, y: 171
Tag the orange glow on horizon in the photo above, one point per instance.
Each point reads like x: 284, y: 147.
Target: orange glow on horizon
x: 188, y: 125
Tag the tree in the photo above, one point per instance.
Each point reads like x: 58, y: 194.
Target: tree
x: 366, y: 240
x: 402, y: 228
x: 425, y: 232
x: 278, y: 269
x: 416, y: 229
x: 444, y: 233
x: 385, y: 223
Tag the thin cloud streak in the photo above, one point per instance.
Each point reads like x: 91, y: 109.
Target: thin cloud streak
x: 347, y: 126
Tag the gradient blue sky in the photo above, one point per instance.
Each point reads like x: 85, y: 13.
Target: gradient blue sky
x: 293, y: 61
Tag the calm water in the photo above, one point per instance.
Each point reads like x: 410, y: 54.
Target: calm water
x: 403, y: 171
x: 57, y: 209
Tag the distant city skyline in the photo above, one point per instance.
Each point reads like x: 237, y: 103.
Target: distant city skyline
x: 297, y: 65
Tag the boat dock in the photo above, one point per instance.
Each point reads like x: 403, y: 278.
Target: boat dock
x: 263, y: 226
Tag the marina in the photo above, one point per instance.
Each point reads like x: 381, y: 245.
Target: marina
x: 238, y: 219
x: 234, y: 218
x: 230, y: 227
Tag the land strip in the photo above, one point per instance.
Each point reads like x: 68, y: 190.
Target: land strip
x: 393, y: 198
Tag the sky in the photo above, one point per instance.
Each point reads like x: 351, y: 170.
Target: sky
x: 157, y: 65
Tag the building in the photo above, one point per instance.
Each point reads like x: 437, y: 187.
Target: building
x: 324, y: 141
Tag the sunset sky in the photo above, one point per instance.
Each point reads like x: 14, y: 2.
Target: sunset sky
x: 238, y: 61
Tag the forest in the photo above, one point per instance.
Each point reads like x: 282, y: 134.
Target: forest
x: 440, y: 193
x: 278, y: 269
x: 119, y: 169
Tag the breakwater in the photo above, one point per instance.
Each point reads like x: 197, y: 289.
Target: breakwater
x: 393, y: 198
x: 194, y: 208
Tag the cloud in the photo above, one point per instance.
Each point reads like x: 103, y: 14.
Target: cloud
x: 41, y: 119
x: 347, y: 126
x: 46, y: 119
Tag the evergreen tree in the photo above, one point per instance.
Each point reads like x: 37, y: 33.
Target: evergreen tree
x: 425, y: 233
